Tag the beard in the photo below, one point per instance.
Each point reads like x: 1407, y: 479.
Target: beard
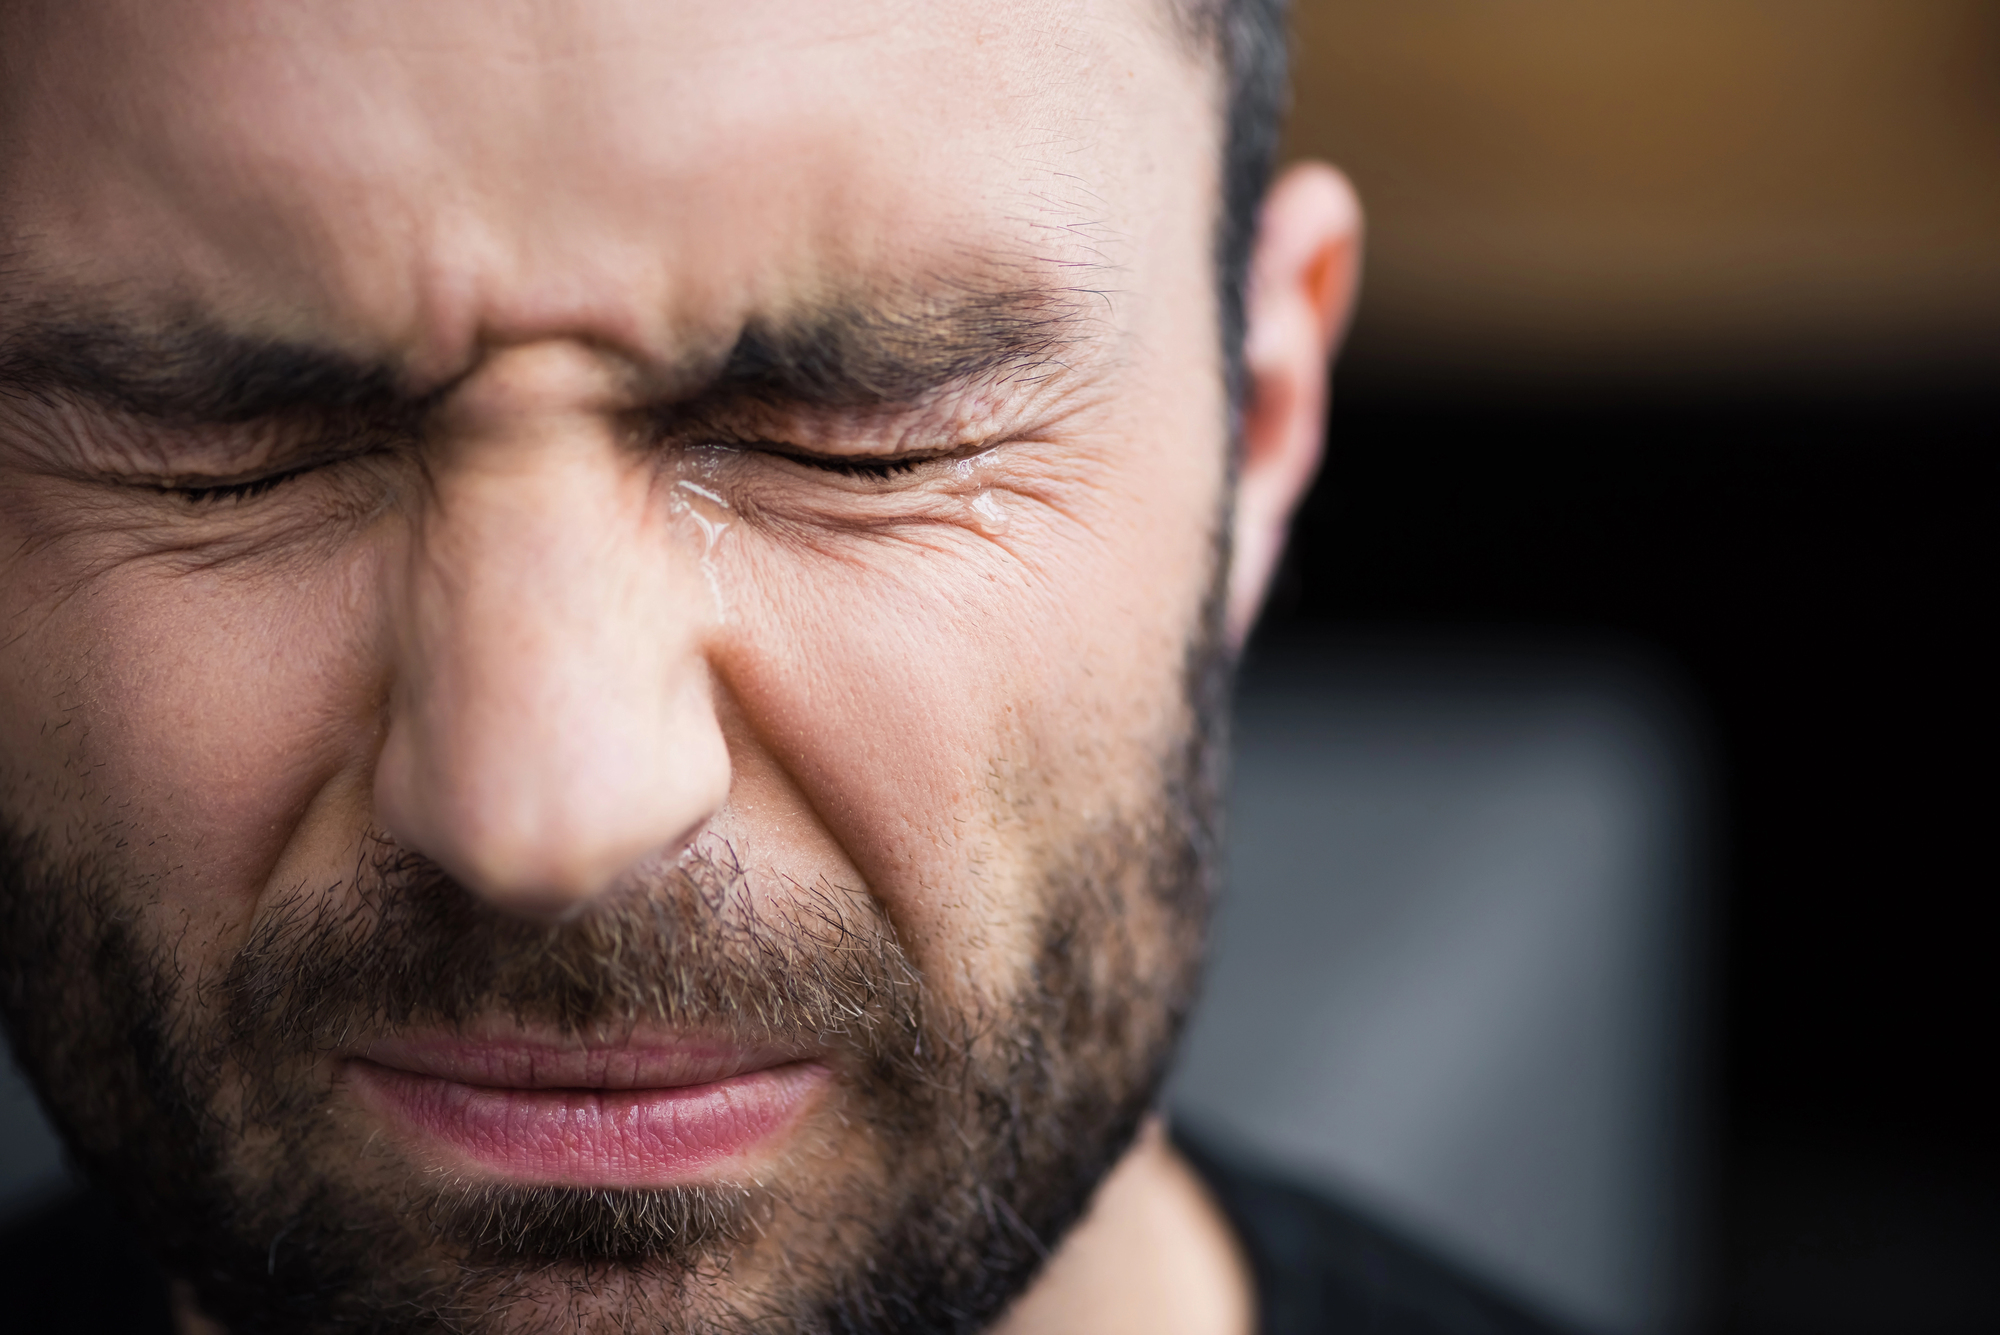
x: 970, y: 1125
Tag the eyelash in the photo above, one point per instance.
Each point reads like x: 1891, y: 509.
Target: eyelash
x: 233, y: 491
x: 858, y: 467
x: 251, y: 490
x: 716, y: 435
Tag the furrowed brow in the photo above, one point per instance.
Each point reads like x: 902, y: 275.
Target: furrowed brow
x: 195, y: 372
x: 856, y: 355
x: 844, y: 355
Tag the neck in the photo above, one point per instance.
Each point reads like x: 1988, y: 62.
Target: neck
x: 1154, y: 1256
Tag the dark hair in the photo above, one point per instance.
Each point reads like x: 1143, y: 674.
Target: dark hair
x: 1246, y: 39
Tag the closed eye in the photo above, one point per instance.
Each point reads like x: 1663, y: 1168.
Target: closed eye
x: 215, y: 494
x: 850, y: 466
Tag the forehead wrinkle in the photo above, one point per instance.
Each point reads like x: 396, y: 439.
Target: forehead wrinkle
x: 1060, y: 214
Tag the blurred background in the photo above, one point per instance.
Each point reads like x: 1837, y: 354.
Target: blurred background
x: 1604, y: 871
x: 1606, y: 815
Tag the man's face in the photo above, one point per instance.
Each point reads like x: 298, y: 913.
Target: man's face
x: 606, y: 610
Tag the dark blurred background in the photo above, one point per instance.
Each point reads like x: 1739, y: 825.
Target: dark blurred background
x: 1679, y: 339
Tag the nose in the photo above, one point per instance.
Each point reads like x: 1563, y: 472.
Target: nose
x: 551, y: 719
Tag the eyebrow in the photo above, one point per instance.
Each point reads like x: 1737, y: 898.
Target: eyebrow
x: 848, y: 354
x: 191, y: 370
x: 874, y: 354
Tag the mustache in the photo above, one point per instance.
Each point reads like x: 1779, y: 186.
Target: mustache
x: 693, y: 948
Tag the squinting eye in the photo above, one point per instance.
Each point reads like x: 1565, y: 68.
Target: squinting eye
x: 857, y: 467
x: 233, y: 491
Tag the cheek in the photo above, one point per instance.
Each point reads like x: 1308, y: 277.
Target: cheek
x: 961, y: 709
x: 179, y: 723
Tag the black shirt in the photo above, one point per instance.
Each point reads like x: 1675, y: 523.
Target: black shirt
x: 1321, y: 1267
x: 71, y: 1268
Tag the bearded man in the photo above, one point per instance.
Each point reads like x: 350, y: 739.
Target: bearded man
x: 617, y: 615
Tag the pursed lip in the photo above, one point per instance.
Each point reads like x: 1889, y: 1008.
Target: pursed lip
x: 527, y: 1063
x: 646, y: 1111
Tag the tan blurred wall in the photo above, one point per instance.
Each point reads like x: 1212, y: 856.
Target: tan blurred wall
x: 1692, y: 189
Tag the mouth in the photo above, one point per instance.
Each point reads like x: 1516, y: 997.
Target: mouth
x: 638, y: 1114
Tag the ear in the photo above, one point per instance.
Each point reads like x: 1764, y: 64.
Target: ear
x: 1303, y: 274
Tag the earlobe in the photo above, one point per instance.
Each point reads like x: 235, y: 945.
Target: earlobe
x: 1303, y: 275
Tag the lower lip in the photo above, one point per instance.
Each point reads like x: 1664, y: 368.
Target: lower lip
x: 598, y: 1137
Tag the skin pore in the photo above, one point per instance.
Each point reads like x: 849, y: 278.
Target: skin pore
x: 618, y: 521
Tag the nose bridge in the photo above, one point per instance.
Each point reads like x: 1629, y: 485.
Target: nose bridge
x: 551, y: 719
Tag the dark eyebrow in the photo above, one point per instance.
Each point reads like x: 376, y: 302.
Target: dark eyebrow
x: 860, y: 354
x: 192, y: 370
x: 852, y: 354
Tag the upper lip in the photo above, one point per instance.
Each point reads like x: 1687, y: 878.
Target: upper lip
x: 527, y: 1062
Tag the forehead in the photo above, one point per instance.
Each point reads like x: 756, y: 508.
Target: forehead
x: 428, y: 175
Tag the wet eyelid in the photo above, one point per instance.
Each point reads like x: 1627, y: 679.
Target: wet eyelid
x: 958, y: 451
x: 853, y: 464
x: 875, y: 446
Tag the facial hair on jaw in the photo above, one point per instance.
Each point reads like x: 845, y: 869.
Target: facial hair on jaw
x: 984, y: 1128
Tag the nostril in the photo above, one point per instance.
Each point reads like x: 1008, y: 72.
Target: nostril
x: 523, y: 849
x: 538, y: 818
